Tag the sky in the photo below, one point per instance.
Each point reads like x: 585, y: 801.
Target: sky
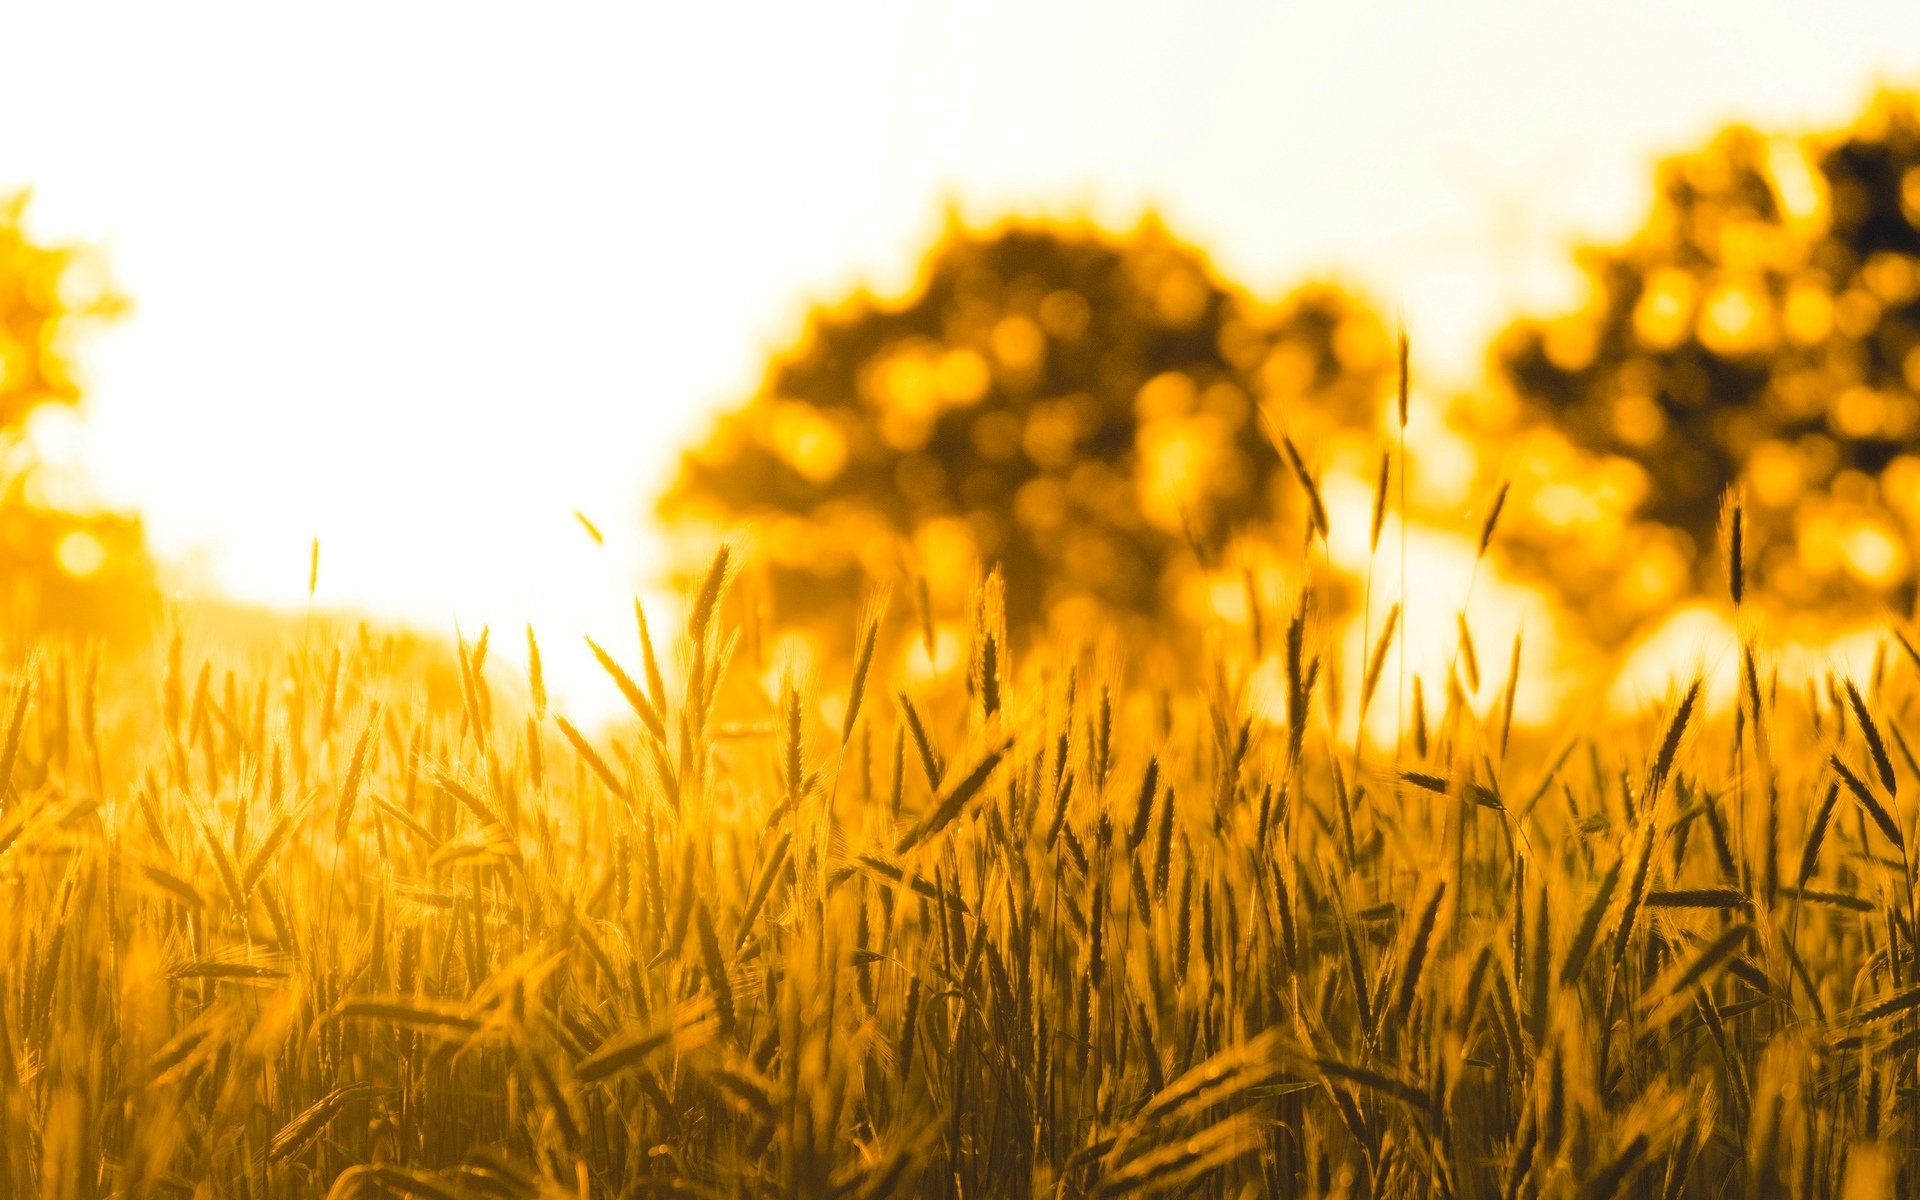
x: 422, y: 280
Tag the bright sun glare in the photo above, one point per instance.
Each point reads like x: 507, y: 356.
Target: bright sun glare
x: 424, y: 281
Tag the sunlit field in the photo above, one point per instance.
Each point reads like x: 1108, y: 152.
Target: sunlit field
x: 568, y: 656
x: 324, y: 919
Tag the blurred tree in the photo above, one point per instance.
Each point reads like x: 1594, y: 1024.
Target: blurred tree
x: 63, y: 563
x: 1762, y: 328
x: 1078, y: 406
x: 48, y: 295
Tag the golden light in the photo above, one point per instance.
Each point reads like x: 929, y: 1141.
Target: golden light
x: 1181, y: 463
x: 1910, y: 195
x: 1858, y: 412
x: 80, y: 554
x: 1441, y: 579
x: 1737, y: 317
x: 1874, y: 555
x: 1800, y: 186
x: 1808, y: 313
x: 1665, y: 309
x: 809, y: 441
x: 1019, y: 345
x: 962, y: 376
x: 1638, y: 419
x: 1694, y: 641
x: 1894, y: 278
x: 1900, y: 485
x: 623, y: 210
x: 1105, y: 714
x: 1775, y: 474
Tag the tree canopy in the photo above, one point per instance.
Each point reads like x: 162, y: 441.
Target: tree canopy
x: 1079, y: 406
x: 49, y: 294
x: 1761, y: 330
x: 61, y: 563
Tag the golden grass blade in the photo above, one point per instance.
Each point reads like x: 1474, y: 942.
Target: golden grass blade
x: 635, y: 698
x: 592, y: 758
x: 954, y: 798
x: 1143, y: 807
x: 1876, y: 745
x: 1404, y: 380
x: 1378, y: 520
x: 1377, y: 660
x: 356, y: 775
x: 1316, y: 505
x: 930, y: 762
x: 1734, y: 521
x: 1869, y: 803
x: 297, y: 1134
x: 707, y: 602
x: 1661, y: 768
x: 1469, y: 657
x: 536, y: 677
x: 862, y: 664
x: 1492, y: 521
x: 1589, y: 927
x: 406, y: 1014
x: 1417, y: 950
x: 16, y: 724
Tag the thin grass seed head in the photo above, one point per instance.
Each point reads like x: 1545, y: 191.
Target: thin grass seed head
x: 536, y: 677
x: 1469, y: 657
x: 1404, y: 379
x: 1316, y: 505
x: 1418, y: 949
x: 930, y: 761
x: 630, y: 691
x: 990, y: 675
x: 1636, y: 892
x: 1589, y: 927
x: 707, y: 602
x: 793, y: 740
x: 1143, y: 807
x: 873, y: 612
x: 1492, y: 522
x: 656, y: 683
x: 16, y: 726
x: 1734, y: 521
x: 1420, y: 734
x: 1869, y: 803
x: 1377, y: 660
x: 950, y: 803
x: 1378, y: 519
x: 1876, y: 745
x: 1661, y: 767
x: 356, y: 772
x: 1163, y: 847
x: 1816, y: 835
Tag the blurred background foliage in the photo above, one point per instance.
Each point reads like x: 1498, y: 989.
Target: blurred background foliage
x: 48, y: 295
x: 1761, y: 329
x: 1083, y: 407
x: 1093, y: 410
x: 1079, y: 406
x: 65, y: 563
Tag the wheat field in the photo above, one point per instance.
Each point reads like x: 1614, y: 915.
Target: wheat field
x: 304, y: 926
